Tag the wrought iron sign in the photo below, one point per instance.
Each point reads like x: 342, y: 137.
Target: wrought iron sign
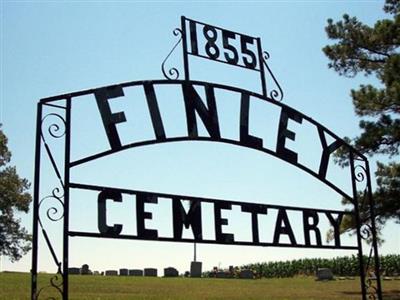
x: 54, y: 127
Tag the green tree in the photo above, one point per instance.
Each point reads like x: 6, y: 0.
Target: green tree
x: 14, y: 239
x: 373, y: 51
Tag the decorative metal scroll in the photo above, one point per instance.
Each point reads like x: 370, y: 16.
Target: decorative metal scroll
x: 274, y: 94
x: 203, y: 40
x: 53, y: 126
x: 55, y: 287
x: 173, y: 72
x: 370, y: 273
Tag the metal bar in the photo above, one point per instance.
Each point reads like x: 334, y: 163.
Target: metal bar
x: 53, y: 162
x: 55, y: 105
x: 184, y: 48
x: 186, y: 240
x: 357, y: 215
x: 262, y: 71
x: 374, y: 237
x: 53, y: 253
x: 75, y: 185
x: 225, y: 62
x: 66, y: 197
x: 36, y: 195
x: 220, y: 28
x: 222, y: 140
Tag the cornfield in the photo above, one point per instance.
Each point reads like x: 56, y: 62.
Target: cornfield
x: 340, y: 266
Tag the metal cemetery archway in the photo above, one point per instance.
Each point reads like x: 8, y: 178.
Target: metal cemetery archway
x: 53, y: 131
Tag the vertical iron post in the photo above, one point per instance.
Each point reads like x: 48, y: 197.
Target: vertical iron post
x: 373, y: 229
x: 262, y: 71
x: 66, y: 197
x: 36, y: 195
x: 358, y: 222
x: 194, y: 251
x: 184, y: 47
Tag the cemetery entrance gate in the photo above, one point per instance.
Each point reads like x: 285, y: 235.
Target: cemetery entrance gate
x: 198, y: 41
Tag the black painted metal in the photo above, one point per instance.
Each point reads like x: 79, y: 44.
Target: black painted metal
x: 189, y: 33
x: 358, y: 222
x: 214, y: 53
x: 254, y: 208
x: 373, y: 231
x: 262, y: 71
x: 66, y: 196
x: 36, y: 196
x: 184, y: 46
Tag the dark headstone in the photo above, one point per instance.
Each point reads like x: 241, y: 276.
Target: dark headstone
x: 220, y: 274
x: 85, y: 270
x: 135, y: 272
x: 123, y: 272
x: 171, y: 272
x: 150, y: 272
x: 324, y: 274
x: 246, y: 274
x: 111, y: 273
x: 195, y: 269
x: 74, y: 271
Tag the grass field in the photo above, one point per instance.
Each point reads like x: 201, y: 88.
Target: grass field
x: 17, y: 286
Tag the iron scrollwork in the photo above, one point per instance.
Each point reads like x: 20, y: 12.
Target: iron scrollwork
x: 172, y: 73
x: 55, y: 210
x: 276, y: 95
x: 56, y: 131
x: 54, y: 214
x: 54, y: 128
x: 56, y: 285
x: 366, y: 230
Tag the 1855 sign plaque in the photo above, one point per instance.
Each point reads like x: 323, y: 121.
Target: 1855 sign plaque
x: 220, y: 45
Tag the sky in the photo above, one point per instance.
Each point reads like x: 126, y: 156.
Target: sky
x: 54, y: 47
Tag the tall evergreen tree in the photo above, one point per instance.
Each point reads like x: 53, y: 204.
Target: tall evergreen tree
x: 373, y: 51
x: 14, y: 239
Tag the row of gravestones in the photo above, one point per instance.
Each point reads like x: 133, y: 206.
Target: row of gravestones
x: 168, y: 272
x: 195, y: 271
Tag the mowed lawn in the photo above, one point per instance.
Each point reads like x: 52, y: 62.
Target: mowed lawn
x: 17, y: 286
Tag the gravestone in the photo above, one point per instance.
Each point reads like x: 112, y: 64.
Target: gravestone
x: 231, y: 271
x: 220, y: 274
x: 195, y: 269
x: 171, y: 272
x: 246, y: 274
x: 324, y: 274
x: 150, y: 272
x: 111, y: 273
x: 123, y: 272
x: 135, y: 272
x: 85, y: 270
x: 74, y: 271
